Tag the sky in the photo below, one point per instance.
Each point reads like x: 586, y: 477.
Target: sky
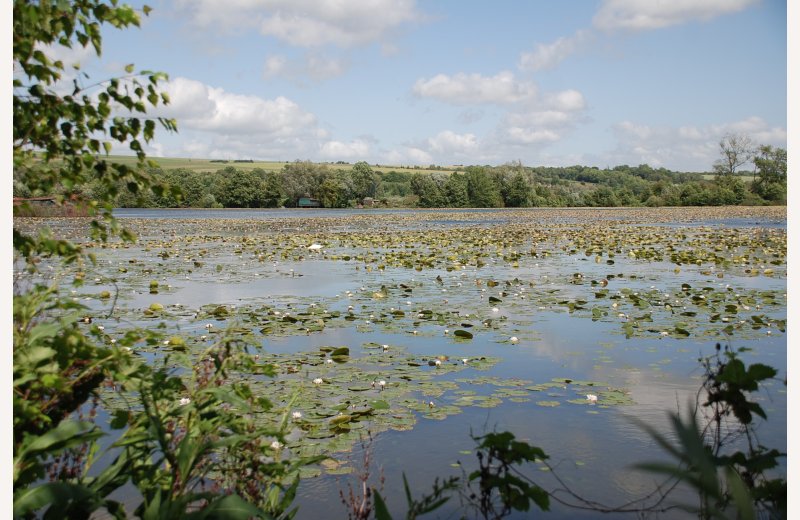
x: 405, y: 82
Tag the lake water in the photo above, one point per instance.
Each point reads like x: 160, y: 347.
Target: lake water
x: 623, y: 300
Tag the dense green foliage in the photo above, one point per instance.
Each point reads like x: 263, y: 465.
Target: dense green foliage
x: 511, y: 185
x: 181, y: 441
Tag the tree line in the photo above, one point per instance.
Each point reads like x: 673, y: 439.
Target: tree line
x: 510, y: 185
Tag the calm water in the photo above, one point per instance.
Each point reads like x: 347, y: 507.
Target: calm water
x: 592, y: 448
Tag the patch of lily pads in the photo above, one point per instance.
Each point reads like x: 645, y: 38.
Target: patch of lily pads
x: 475, y: 288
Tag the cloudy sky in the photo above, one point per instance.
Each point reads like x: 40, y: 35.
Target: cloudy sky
x: 593, y: 82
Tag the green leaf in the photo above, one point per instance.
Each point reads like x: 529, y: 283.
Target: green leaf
x: 68, y: 433
x: 55, y: 494
x: 759, y: 372
x: 381, y: 511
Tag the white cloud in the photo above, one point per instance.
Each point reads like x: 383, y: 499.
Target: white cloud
x: 408, y: 155
x: 77, y: 55
x: 654, y: 14
x: 523, y: 135
x: 274, y: 66
x: 448, y: 142
x: 201, y: 107
x: 356, y: 149
x: 316, y: 67
x: 567, y: 100
x: 72, y: 58
x: 688, y: 147
x: 215, y: 123
x: 307, y: 23
x: 616, y: 15
x: 474, y: 89
x: 547, y: 56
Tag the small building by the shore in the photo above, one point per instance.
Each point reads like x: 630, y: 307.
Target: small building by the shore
x: 308, y: 202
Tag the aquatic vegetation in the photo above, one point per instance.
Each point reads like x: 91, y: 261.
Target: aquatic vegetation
x: 377, y: 330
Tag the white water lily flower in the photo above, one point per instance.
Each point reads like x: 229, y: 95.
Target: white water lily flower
x: 276, y: 445
x: 297, y: 415
x: 437, y: 363
x: 184, y: 401
x: 329, y: 361
x: 514, y: 339
x: 382, y: 383
x: 317, y: 381
x: 591, y: 398
x: 465, y: 360
x: 495, y: 309
x: 385, y: 347
x: 209, y: 325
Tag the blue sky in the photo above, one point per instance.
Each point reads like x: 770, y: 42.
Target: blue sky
x: 601, y: 82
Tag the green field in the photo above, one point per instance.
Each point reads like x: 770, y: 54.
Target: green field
x: 206, y: 165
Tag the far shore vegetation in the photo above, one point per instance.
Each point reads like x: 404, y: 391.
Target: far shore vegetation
x: 744, y: 175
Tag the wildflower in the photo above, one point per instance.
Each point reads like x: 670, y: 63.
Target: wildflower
x: 591, y: 398
x: 317, y: 381
x: 297, y: 415
x: 276, y: 445
x: 184, y: 401
x: 112, y: 340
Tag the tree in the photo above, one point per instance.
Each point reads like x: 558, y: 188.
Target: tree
x: 428, y: 190
x: 60, y: 361
x: 273, y: 190
x: 332, y: 193
x: 302, y: 179
x: 736, y: 150
x: 240, y: 189
x: 483, y: 192
x: 771, y: 170
x: 364, y: 181
x: 456, y: 191
x: 58, y: 138
x: 519, y: 192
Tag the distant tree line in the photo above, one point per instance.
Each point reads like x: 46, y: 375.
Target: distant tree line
x: 510, y: 185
